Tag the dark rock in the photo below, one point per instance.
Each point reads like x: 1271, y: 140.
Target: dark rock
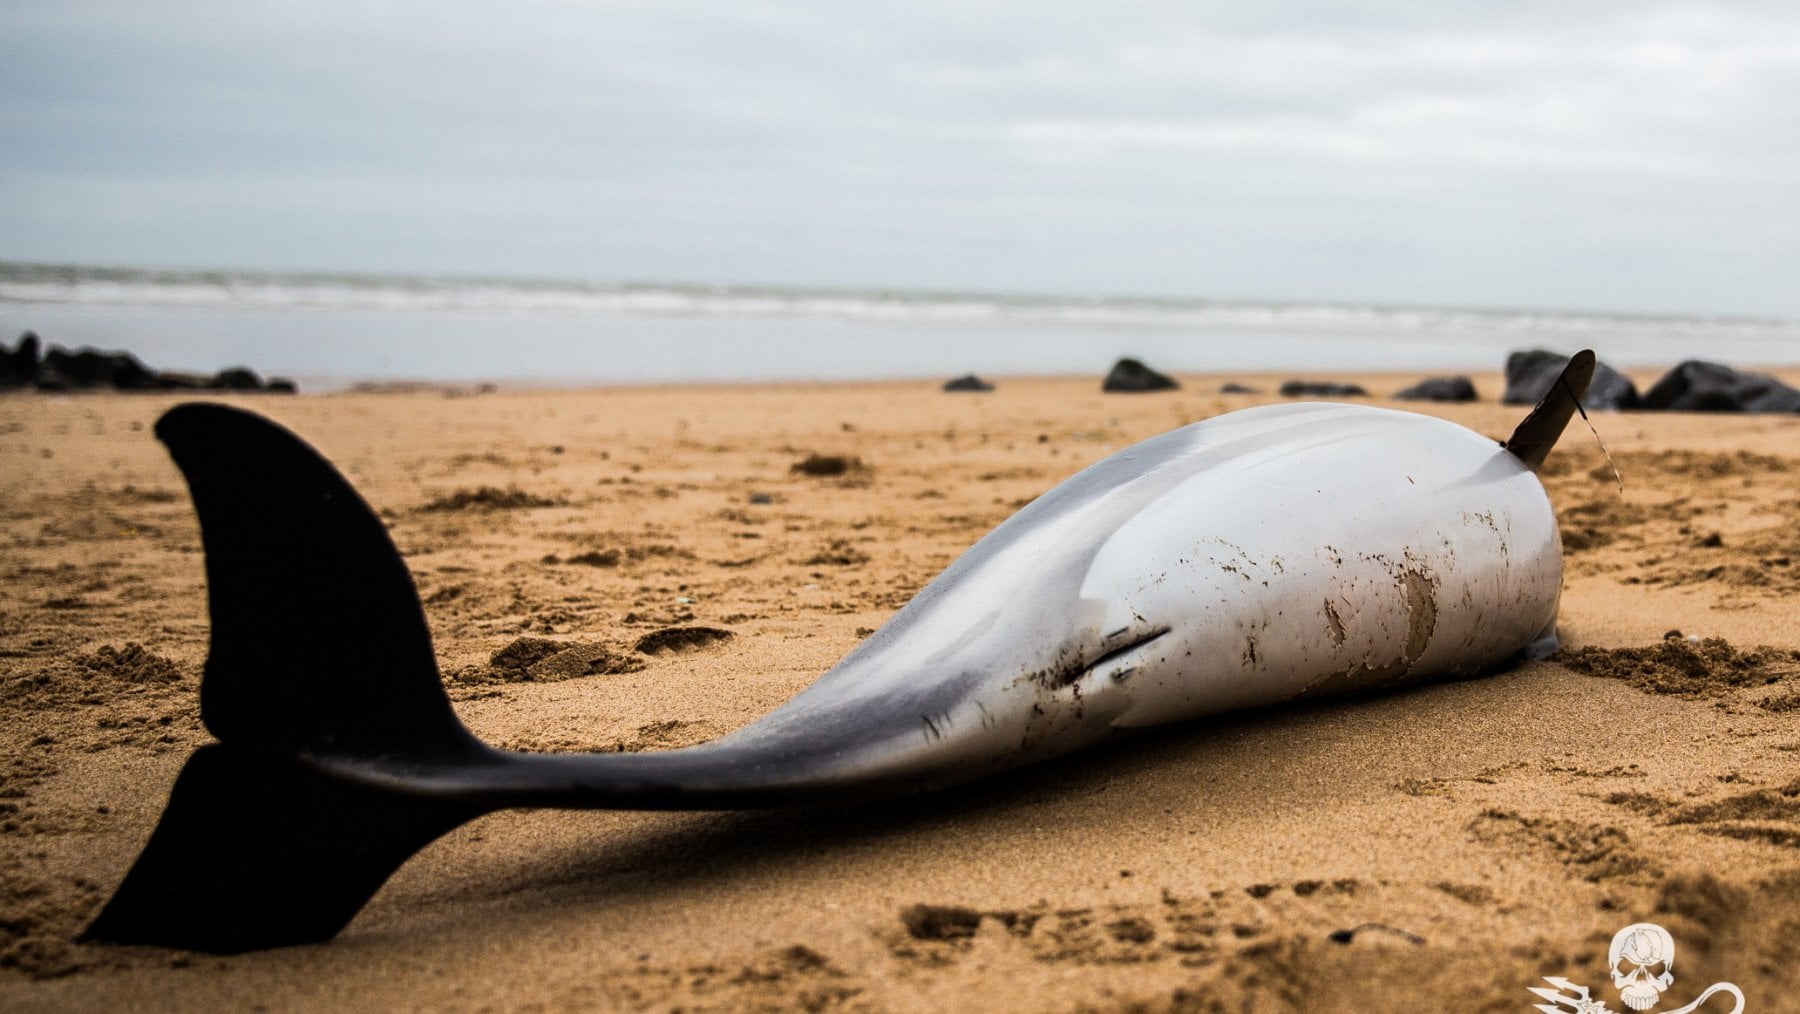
x: 237, y: 378
x: 282, y: 385
x: 1131, y: 376
x: 1322, y: 389
x: 59, y: 369
x: 827, y: 465
x: 86, y: 367
x: 171, y: 380
x: 1236, y: 388
x: 1699, y: 386
x: 1440, y: 389
x: 1530, y: 374
x: 968, y: 382
x: 49, y: 379
x: 19, y: 368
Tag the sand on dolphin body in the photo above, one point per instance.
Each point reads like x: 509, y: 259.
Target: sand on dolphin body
x: 642, y: 568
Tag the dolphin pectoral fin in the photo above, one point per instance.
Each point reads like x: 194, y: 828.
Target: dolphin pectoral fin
x: 1538, y: 432
x: 257, y: 851
x: 1105, y: 688
x: 1128, y: 651
x: 319, y: 651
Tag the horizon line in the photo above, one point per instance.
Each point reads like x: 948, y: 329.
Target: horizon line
x: 864, y: 291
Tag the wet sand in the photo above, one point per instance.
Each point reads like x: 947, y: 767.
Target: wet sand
x: 1442, y: 847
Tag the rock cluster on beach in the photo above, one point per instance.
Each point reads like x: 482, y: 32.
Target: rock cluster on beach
x: 1693, y: 386
x: 60, y: 369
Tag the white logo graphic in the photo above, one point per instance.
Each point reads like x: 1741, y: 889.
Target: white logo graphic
x: 1647, y: 952
x: 1642, y: 959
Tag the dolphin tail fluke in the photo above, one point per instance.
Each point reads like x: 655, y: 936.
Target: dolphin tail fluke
x: 1532, y: 440
x: 256, y: 851
x: 319, y: 651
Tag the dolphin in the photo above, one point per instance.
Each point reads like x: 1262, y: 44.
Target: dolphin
x: 1267, y: 555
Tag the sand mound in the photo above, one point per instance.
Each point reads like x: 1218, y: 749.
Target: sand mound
x: 490, y: 498
x: 1684, y: 668
x: 542, y: 660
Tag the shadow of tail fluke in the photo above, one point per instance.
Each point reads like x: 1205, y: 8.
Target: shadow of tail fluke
x: 319, y: 650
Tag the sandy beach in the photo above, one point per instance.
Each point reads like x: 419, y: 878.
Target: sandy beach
x: 1444, y: 847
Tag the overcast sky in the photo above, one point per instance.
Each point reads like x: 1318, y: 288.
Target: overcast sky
x: 1633, y: 156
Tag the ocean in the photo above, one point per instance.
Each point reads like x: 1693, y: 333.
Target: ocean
x: 332, y: 331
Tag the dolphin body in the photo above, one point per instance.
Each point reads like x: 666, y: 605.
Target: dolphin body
x: 1262, y: 556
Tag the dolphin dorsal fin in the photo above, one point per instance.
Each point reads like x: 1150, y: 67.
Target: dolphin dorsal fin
x: 1532, y: 441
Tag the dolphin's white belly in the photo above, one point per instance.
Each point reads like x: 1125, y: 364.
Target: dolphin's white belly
x: 1258, y: 557
x: 1401, y: 548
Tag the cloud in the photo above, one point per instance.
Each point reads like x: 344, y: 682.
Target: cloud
x: 1611, y: 156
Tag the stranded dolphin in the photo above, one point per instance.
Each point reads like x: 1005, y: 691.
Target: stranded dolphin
x: 1270, y: 554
